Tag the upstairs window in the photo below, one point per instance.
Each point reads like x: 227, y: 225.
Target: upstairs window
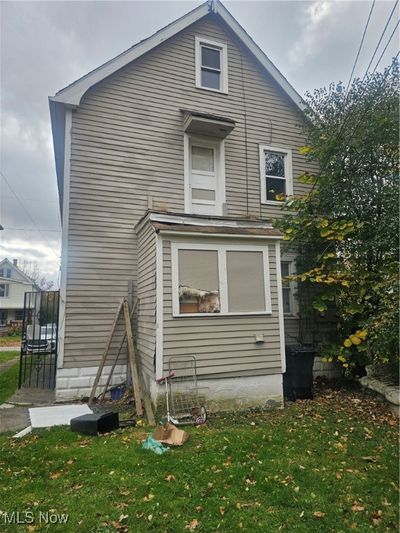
x: 4, y: 290
x: 5, y: 272
x: 276, y: 174
x: 211, y: 65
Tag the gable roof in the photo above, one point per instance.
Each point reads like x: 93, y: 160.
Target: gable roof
x: 73, y: 93
x: 6, y: 262
x: 71, y: 96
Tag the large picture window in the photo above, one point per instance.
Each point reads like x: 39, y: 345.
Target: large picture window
x: 276, y: 174
x: 222, y: 279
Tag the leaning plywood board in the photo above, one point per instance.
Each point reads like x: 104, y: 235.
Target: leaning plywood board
x: 132, y: 361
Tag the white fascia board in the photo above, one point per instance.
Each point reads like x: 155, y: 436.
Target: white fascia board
x: 280, y: 306
x: 72, y: 94
x: 159, y: 308
x: 193, y: 235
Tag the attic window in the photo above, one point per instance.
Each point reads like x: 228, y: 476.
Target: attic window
x: 211, y: 65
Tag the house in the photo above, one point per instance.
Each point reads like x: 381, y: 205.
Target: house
x: 172, y: 161
x: 13, y: 286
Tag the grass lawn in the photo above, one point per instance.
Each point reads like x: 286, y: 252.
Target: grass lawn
x: 7, y: 355
x: 328, y: 465
x: 9, y: 378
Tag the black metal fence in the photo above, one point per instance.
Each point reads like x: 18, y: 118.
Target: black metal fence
x: 38, y: 360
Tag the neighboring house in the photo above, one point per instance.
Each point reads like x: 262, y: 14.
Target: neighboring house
x: 13, y: 286
x: 172, y: 160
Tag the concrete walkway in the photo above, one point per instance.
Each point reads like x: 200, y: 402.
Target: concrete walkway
x: 14, y: 414
x: 13, y: 418
x: 12, y: 348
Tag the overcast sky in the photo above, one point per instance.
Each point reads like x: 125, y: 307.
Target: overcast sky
x: 47, y: 45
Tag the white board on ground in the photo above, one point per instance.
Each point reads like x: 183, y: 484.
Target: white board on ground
x: 57, y: 415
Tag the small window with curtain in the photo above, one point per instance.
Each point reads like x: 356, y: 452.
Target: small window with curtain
x: 211, y: 65
x: 198, y: 281
x: 276, y: 174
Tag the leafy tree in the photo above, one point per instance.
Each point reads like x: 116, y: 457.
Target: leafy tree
x: 346, y: 227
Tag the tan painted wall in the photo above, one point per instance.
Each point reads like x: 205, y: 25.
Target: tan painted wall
x: 223, y: 343
x: 127, y: 144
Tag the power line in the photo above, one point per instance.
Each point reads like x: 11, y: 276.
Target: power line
x: 38, y: 229
x: 30, y: 217
x: 387, y: 44
x: 351, y: 133
x: 380, y: 39
x: 359, y: 48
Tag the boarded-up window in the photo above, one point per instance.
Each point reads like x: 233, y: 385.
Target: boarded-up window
x: 198, y: 281
x: 245, y: 276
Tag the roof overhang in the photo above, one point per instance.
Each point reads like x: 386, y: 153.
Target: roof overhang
x: 205, y: 124
x: 202, y: 225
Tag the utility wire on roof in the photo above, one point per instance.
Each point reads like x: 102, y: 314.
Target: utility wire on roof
x: 30, y: 217
x: 360, y: 47
x: 380, y: 39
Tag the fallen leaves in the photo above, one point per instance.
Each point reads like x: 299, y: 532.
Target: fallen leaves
x: 357, y: 508
x: 192, y: 525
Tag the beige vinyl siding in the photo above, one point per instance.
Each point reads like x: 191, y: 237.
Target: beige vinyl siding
x: 127, y: 145
x: 292, y: 331
x: 146, y: 292
x: 222, y: 344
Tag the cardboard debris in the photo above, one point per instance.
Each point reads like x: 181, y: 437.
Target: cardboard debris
x: 170, y: 434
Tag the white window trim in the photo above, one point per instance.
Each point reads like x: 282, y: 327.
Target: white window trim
x: 294, y: 304
x: 219, y: 145
x: 224, y: 64
x: 288, y: 172
x: 222, y: 274
x: 5, y: 290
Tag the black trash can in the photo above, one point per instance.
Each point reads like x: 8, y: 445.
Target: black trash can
x: 298, y: 379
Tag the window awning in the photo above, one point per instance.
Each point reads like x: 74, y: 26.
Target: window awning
x: 198, y: 123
